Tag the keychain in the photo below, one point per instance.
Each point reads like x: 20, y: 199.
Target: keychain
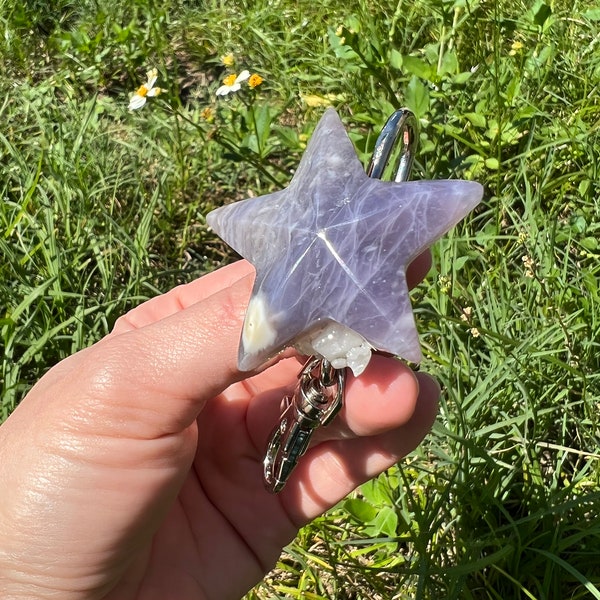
x: 319, y: 395
x: 331, y: 252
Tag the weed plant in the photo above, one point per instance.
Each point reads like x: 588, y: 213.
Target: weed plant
x: 101, y: 208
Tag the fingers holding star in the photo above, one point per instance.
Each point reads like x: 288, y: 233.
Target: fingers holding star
x: 388, y: 410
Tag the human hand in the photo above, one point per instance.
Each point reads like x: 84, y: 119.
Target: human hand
x: 133, y: 469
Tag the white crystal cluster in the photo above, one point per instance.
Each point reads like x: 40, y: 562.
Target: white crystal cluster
x: 337, y: 344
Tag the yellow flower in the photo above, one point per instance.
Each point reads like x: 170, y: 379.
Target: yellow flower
x: 255, y: 80
x: 232, y: 83
x: 515, y: 47
x: 147, y: 90
x: 228, y: 59
x: 313, y: 100
x: 208, y: 114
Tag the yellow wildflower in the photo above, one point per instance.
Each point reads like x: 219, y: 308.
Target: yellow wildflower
x: 314, y: 100
x: 255, y: 80
x: 515, y: 47
x: 445, y: 283
x: 228, y: 59
x: 208, y: 114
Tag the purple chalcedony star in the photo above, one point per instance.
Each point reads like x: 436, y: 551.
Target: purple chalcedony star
x: 333, y: 247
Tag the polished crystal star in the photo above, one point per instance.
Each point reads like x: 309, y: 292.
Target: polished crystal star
x: 331, y: 252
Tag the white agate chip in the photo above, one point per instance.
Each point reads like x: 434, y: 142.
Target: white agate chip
x: 337, y: 344
x: 258, y: 332
x: 331, y: 252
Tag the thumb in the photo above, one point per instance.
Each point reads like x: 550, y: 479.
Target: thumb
x: 170, y: 368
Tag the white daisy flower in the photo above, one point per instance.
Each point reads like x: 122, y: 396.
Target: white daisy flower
x: 232, y: 83
x: 147, y: 90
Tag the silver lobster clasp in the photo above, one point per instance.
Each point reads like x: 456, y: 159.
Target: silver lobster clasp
x: 316, y: 400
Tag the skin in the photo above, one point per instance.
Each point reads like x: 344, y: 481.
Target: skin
x: 133, y: 469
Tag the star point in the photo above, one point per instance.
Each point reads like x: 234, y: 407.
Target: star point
x: 332, y: 249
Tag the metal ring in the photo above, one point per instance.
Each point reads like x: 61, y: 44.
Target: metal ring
x: 402, y: 126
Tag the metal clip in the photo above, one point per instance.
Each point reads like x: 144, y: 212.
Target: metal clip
x: 402, y: 125
x: 319, y: 394
x: 317, y: 399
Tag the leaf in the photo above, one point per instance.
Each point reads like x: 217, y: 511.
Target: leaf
x: 460, y: 262
x: 416, y: 66
x: 395, y: 59
x: 449, y: 64
x: 476, y: 119
x: 462, y: 77
x: 417, y: 97
x: 263, y: 118
x: 374, y: 492
x: 339, y: 46
x: 360, y: 509
x: 578, y: 223
x: 584, y: 186
x: 592, y: 14
x: 513, y: 89
x: 589, y: 243
x: 288, y: 137
x: 385, y: 522
x: 541, y: 14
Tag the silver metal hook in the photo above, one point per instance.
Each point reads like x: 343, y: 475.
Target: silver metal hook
x: 317, y: 399
x: 401, y: 126
x: 319, y: 395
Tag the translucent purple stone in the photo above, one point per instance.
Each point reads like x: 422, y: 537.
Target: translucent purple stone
x: 333, y: 248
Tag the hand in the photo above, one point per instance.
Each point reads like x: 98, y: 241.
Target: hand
x: 133, y: 469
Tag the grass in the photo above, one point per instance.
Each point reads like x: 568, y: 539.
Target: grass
x: 101, y: 208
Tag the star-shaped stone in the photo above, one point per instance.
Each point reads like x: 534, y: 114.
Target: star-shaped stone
x: 333, y: 248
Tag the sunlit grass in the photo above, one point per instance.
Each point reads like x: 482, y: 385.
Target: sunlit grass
x: 102, y: 207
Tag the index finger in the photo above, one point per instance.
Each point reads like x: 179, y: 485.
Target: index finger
x: 182, y: 296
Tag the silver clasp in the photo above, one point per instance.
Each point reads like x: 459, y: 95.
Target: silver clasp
x: 317, y: 399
